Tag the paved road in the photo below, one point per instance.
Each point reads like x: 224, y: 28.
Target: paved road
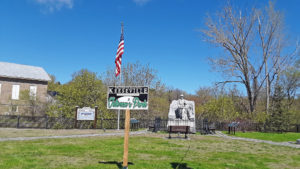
x: 70, y: 136
x: 288, y: 144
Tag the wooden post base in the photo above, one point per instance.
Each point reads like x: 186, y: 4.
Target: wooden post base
x: 126, y: 139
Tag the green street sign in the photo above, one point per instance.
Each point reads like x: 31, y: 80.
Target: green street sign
x: 128, y: 97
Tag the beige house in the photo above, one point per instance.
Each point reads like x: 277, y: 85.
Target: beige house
x: 22, y: 89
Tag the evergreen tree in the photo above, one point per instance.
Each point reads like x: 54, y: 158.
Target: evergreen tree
x: 278, y: 119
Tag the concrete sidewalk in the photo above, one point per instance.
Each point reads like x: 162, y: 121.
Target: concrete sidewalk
x: 288, y: 144
x: 71, y: 136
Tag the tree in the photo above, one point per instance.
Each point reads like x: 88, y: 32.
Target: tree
x: 84, y: 90
x: 296, y: 111
x: 290, y: 81
x: 133, y: 74
x: 219, y: 109
x: 205, y: 94
x: 53, y: 85
x: 254, y: 43
x: 279, y: 119
x: 31, y: 104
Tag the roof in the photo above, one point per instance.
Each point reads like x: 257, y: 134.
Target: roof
x: 12, y: 70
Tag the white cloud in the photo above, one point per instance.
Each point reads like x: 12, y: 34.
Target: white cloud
x: 141, y: 2
x: 53, y: 5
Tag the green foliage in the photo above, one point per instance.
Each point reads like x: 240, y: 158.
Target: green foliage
x: 277, y: 137
x: 53, y: 85
x: 260, y: 117
x: 158, y: 104
x: 31, y: 105
x: 215, y: 103
x: 219, y: 109
x: 58, y: 125
x: 279, y: 118
x: 85, y: 90
x: 290, y: 83
x: 295, y: 111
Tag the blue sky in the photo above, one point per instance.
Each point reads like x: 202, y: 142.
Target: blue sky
x: 64, y: 36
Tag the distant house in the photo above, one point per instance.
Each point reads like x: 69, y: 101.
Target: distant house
x: 15, y: 78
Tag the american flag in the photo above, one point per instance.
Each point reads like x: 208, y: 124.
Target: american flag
x: 120, y: 52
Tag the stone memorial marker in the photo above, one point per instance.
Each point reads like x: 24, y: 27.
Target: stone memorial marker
x: 182, y: 113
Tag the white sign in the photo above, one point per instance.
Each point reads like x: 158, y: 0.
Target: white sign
x: 86, y: 113
x: 128, y: 97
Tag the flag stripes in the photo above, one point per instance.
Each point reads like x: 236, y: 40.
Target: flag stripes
x: 120, y: 52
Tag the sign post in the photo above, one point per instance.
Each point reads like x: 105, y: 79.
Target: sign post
x: 127, y: 98
x: 126, y: 139
x: 86, y: 113
x: 95, y: 120
x: 75, y: 124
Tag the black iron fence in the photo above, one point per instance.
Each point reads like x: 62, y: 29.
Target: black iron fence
x: 260, y: 127
x: 45, y: 122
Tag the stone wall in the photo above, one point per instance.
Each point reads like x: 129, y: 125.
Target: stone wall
x: 9, y: 106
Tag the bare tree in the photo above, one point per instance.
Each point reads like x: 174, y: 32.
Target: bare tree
x: 291, y: 82
x: 138, y: 74
x: 133, y: 74
x: 254, y: 42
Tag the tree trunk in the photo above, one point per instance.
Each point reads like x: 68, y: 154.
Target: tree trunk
x: 267, y: 87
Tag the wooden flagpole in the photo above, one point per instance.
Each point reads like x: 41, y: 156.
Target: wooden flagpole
x: 126, y: 139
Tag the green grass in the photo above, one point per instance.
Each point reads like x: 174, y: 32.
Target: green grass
x: 149, y: 151
x: 276, y: 137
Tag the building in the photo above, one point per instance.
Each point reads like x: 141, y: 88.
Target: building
x: 23, y: 89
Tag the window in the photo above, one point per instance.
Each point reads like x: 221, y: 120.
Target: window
x: 15, y: 92
x: 33, y: 92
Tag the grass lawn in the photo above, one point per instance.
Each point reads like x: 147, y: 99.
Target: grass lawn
x: 146, y: 151
x: 13, y: 132
x: 277, y: 137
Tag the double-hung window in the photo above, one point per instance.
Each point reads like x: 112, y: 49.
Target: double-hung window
x: 33, y: 92
x: 15, y: 92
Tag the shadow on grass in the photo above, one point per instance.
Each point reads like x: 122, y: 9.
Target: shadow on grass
x: 180, y: 166
x: 119, y: 164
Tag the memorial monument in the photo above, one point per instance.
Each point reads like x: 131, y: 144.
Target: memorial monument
x: 182, y: 113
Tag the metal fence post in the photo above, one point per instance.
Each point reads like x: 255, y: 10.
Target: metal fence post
x: 18, y: 123
x: 46, y: 126
x: 95, y: 120
x: 75, y: 125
